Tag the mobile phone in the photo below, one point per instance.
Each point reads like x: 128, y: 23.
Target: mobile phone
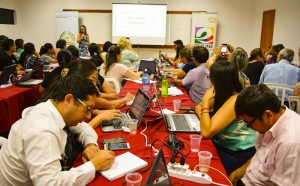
x: 223, y: 49
x: 114, y: 140
x: 116, y: 146
x: 187, y: 108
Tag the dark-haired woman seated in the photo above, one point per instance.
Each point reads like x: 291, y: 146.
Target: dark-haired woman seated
x: 234, y: 141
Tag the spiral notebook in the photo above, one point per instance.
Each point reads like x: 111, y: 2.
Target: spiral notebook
x: 124, y: 164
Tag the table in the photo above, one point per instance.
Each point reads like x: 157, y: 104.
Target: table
x: 13, y: 100
x: 156, y: 129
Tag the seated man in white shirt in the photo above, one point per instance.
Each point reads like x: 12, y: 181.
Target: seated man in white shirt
x: 36, y: 143
x: 276, y: 161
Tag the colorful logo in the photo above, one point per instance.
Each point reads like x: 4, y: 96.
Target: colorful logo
x: 69, y: 37
x: 204, y: 36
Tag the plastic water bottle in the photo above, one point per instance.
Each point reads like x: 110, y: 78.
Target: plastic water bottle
x: 146, y: 82
x: 164, y: 86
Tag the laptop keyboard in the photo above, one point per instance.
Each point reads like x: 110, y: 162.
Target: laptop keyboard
x: 117, y: 123
x: 180, y: 122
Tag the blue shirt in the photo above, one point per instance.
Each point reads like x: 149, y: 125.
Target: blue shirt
x: 282, y: 72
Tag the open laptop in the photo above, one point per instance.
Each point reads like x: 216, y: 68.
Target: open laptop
x: 7, y: 72
x: 136, y: 111
x: 149, y: 65
x: 180, y: 122
x: 26, y: 80
x: 159, y: 173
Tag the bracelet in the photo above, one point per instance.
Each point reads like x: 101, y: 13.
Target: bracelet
x: 203, y: 112
x: 204, y: 109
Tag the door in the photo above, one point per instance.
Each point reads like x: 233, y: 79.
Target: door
x: 267, y: 30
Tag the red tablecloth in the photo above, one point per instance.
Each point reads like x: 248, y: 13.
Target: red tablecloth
x: 156, y: 129
x: 13, y: 100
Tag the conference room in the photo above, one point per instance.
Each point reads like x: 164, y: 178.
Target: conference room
x: 171, y: 20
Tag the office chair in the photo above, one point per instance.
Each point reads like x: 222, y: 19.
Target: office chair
x: 294, y: 103
x: 113, y: 83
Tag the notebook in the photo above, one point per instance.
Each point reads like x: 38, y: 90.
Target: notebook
x: 136, y: 111
x: 149, y: 65
x: 27, y: 81
x: 7, y: 72
x: 159, y: 173
x: 124, y: 164
x: 180, y: 122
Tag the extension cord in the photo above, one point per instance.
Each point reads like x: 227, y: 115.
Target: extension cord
x: 183, y: 172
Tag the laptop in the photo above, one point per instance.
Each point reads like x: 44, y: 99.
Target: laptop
x: 159, y: 174
x: 180, y: 122
x: 136, y: 111
x: 149, y: 65
x: 26, y: 80
x: 159, y: 75
x: 8, y: 72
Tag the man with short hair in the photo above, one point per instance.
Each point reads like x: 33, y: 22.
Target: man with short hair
x: 60, y: 44
x: 276, y: 161
x: 197, y: 79
x: 36, y: 143
x: 7, y: 58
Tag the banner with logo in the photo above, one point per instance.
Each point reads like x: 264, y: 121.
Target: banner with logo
x: 204, y: 29
x: 67, y: 27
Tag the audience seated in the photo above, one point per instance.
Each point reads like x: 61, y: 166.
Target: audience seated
x: 233, y: 140
x: 255, y: 66
x: 19, y: 48
x: 297, y: 89
x: 7, y: 58
x: 271, y: 55
x: 41, y: 136
x: 178, y: 45
x: 277, y: 142
x: 60, y: 44
x: 282, y: 72
x: 74, y: 51
x: 30, y: 58
x: 48, y: 54
x: 2, y: 38
x: 239, y: 60
x: 185, y: 55
x: 64, y: 57
x: 196, y: 80
x: 129, y: 57
x: 112, y: 68
x: 105, y: 48
x: 95, y: 54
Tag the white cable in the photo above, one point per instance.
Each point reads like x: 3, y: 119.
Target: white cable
x: 146, y: 139
x: 217, y: 171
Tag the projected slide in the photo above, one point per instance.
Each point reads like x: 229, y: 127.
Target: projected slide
x: 142, y: 23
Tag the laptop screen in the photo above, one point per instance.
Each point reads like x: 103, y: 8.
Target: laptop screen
x: 139, y: 105
x: 7, y: 72
x: 159, y: 173
x: 149, y: 65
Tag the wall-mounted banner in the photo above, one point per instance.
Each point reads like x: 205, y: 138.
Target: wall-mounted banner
x: 204, y: 29
x: 67, y: 27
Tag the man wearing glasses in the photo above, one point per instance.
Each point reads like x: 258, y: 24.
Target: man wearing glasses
x: 36, y: 143
x: 276, y: 161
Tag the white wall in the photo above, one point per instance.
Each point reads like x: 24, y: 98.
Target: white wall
x: 239, y: 21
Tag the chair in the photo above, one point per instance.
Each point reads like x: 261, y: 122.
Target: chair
x: 113, y: 83
x: 294, y: 103
x: 285, y: 91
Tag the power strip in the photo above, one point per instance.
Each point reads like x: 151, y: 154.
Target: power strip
x: 183, y: 172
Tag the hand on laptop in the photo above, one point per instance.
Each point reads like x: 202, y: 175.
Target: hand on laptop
x: 129, y: 96
x: 107, y: 115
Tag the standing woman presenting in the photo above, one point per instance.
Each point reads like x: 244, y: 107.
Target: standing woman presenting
x: 84, y: 41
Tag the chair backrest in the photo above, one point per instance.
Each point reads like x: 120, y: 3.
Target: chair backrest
x: 294, y: 103
x: 113, y: 83
x: 281, y: 91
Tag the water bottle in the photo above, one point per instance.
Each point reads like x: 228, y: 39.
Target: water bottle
x: 164, y: 87
x: 146, y: 82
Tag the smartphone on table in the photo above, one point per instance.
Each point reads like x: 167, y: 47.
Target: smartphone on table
x: 116, y: 146
x: 114, y: 140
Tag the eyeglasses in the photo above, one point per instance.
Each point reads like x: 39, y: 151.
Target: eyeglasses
x: 248, y: 124
x: 88, y: 109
